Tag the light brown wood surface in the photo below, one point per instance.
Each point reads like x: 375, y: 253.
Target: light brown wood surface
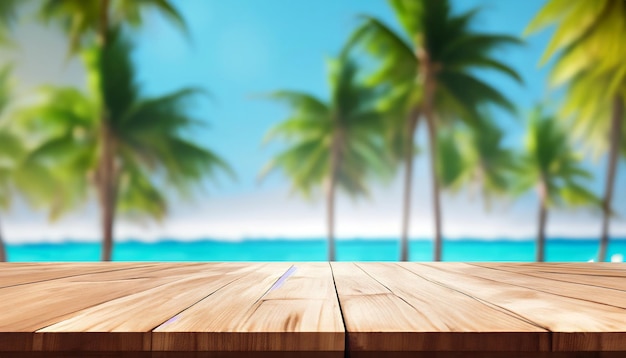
x: 432, y: 317
x: 562, y: 315
x: 277, y: 306
x: 440, y: 309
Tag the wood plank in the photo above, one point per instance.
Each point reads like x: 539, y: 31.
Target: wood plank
x: 131, y: 318
x: 448, y: 319
x: 12, y: 274
x: 594, y: 293
x: 304, y: 301
x: 43, y: 303
x: 438, y: 309
x: 581, y: 268
x: 262, y: 312
x: 365, y: 302
x: 561, y: 315
x: 605, y: 278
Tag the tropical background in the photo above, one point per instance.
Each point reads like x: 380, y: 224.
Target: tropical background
x: 209, y: 130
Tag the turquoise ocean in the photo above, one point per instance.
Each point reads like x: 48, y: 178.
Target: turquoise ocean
x: 558, y: 249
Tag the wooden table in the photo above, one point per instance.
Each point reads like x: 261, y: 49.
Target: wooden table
x: 312, y: 309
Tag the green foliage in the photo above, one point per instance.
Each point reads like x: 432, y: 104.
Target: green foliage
x: 397, y: 61
x: 152, y: 151
x: 61, y: 128
x: 19, y: 172
x: 11, y: 149
x: 81, y: 19
x: 350, y: 120
x: 451, y: 165
x: 548, y: 157
x: 588, y: 112
x: 5, y: 88
x: 588, y: 48
x: 10, y: 152
x: 8, y: 16
x: 592, y: 29
x: 452, y: 47
x: 476, y: 155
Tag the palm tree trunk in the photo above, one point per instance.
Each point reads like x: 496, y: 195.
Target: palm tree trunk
x: 543, y: 217
x: 330, y: 217
x: 3, y: 253
x: 103, y: 25
x: 428, y: 71
x: 106, y: 186
x: 408, y: 184
x: 436, y: 192
x: 330, y: 198
x: 107, y: 190
x: 615, y: 139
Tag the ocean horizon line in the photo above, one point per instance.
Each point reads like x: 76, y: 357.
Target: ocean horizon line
x: 315, y: 249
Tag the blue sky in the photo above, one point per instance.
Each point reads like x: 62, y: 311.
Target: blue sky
x: 239, y: 48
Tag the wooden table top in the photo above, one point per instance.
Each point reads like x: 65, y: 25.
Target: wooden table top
x: 438, y: 308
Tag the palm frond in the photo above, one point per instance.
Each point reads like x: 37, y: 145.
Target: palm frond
x: 398, y: 60
x: 301, y: 103
x: 350, y: 122
x: 474, y: 91
x: 81, y: 19
x: 550, y: 157
x: 468, y: 46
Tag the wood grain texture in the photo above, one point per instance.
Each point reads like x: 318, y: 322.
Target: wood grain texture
x: 144, y: 310
x: 439, y: 318
x: 130, y: 315
x: 595, y: 292
x: 599, y: 277
x: 561, y: 315
x: 276, y: 307
x: 46, y: 302
x: 37, y: 272
x: 225, y: 309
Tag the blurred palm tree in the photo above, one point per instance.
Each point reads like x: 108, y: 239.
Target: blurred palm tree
x: 83, y: 20
x: 146, y: 137
x: 8, y: 16
x: 19, y: 171
x: 476, y: 156
x: 10, y: 150
x: 588, y: 47
x: 334, y: 143
x: 550, y: 165
x: 430, y: 68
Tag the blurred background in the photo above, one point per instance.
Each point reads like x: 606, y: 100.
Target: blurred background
x: 209, y: 130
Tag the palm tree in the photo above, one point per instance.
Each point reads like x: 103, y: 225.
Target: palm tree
x: 10, y: 148
x: 588, y: 46
x: 12, y: 152
x: 149, y: 150
x: 550, y: 165
x: 334, y: 143
x: 19, y: 172
x: 430, y: 68
x: 83, y: 20
x: 475, y: 155
x: 8, y: 14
